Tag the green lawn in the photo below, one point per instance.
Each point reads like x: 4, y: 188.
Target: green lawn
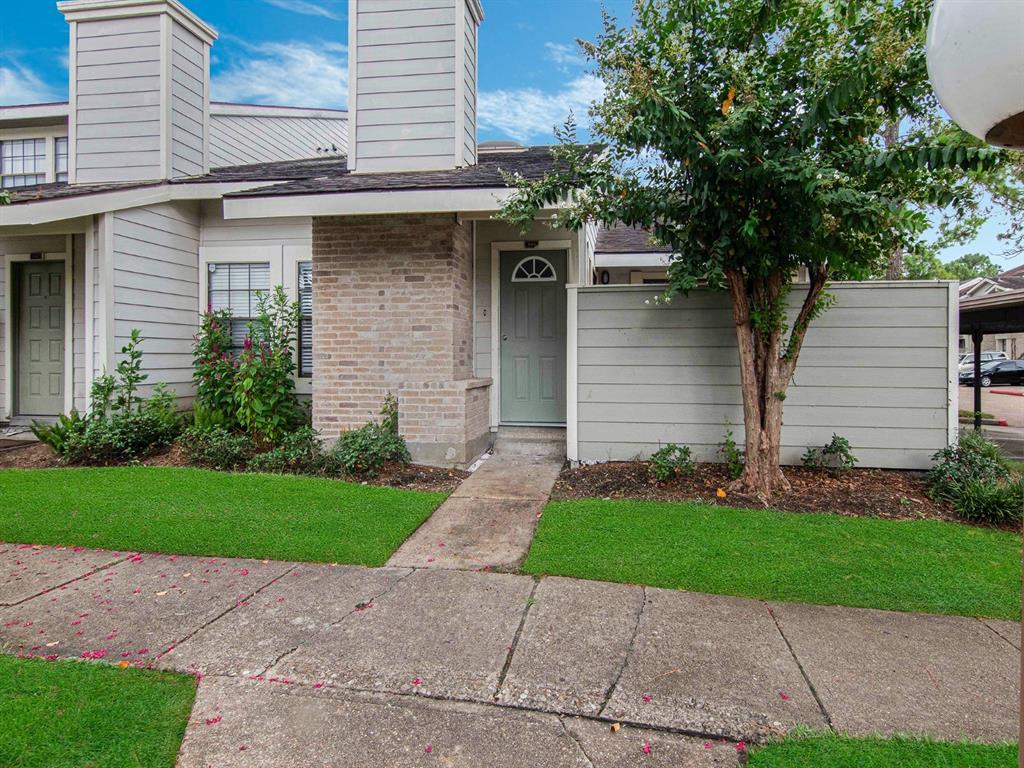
x: 903, y: 565
x: 843, y: 752
x: 69, y: 714
x: 197, y: 512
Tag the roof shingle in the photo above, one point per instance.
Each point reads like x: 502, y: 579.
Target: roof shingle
x: 626, y: 239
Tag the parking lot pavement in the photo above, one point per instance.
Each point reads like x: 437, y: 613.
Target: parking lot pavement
x: 1009, y: 407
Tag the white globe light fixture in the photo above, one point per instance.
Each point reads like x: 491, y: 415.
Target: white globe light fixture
x: 976, y: 65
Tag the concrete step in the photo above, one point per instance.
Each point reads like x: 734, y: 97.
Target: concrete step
x: 534, y: 442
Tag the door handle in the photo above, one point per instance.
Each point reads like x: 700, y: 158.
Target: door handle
x: 504, y: 337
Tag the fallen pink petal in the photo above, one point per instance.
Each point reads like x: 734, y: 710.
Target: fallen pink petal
x: 647, y: 747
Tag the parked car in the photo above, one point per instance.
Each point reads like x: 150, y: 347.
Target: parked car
x: 967, y: 361
x: 1006, y: 372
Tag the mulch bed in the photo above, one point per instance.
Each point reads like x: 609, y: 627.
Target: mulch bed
x: 413, y: 476
x: 857, y: 493
x: 29, y: 455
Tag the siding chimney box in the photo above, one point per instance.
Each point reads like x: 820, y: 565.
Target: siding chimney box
x: 412, y: 84
x: 139, y: 90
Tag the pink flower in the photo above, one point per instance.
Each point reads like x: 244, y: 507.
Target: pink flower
x: 416, y: 681
x: 741, y: 747
x: 429, y: 748
x: 95, y: 654
x: 783, y: 695
x: 248, y: 343
x: 647, y: 747
x: 707, y: 745
x: 647, y: 698
x: 214, y: 720
x: 318, y: 686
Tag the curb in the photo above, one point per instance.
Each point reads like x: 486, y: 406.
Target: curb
x: 1006, y: 392
x: 987, y: 422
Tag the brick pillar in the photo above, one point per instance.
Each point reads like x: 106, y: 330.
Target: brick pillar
x: 393, y: 312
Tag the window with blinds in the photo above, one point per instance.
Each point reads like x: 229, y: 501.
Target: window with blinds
x: 306, y: 319
x: 236, y: 287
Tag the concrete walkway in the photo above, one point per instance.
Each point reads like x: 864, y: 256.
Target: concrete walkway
x: 488, y: 522
x: 347, y: 666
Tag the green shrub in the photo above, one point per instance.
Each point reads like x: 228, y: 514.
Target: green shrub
x: 56, y: 435
x: 129, y: 376
x: 732, y: 455
x: 214, y: 368
x: 990, y: 501
x: 365, y: 451
x: 122, y: 426
x: 264, y: 389
x: 974, y: 476
x: 972, y: 457
x: 203, y: 418
x: 299, y: 452
x: 836, y: 454
x: 216, y: 447
x: 124, y: 437
x: 671, y: 461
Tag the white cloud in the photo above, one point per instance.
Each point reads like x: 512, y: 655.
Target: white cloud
x: 564, y: 56
x: 527, y: 113
x: 287, y: 74
x: 303, y: 7
x: 19, y: 85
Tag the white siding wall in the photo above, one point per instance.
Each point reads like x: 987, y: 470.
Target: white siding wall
x: 405, y: 86
x: 189, y: 102
x: 218, y: 232
x: 98, y: 359
x: 875, y: 369
x: 244, y: 139
x: 469, y: 91
x: 118, y: 97
x: 156, y: 289
x: 78, y: 321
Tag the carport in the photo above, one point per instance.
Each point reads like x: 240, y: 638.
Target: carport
x: 993, y: 313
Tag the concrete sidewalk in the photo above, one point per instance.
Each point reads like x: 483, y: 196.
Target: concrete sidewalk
x: 365, y: 667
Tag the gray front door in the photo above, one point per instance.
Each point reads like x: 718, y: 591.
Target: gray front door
x: 39, y: 350
x: 533, y: 316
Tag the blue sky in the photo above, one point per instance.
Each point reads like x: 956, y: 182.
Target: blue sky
x: 293, y: 52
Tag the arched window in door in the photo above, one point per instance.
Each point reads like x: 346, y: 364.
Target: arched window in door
x: 534, y: 269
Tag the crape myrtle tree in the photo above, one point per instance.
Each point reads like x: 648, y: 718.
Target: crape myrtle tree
x: 746, y: 135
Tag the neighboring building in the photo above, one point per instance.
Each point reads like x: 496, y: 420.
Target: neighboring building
x: 1010, y: 343
x: 160, y: 204
x: 629, y: 256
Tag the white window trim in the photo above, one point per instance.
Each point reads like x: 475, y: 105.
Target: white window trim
x: 637, y: 277
x: 50, y: 133
x: 284, y: 271
x: 8, y: 261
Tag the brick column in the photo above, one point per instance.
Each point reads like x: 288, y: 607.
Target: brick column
x: 393, y: 312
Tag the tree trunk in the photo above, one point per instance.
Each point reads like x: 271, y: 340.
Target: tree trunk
x: 894, y: 271
x: 765, y: 371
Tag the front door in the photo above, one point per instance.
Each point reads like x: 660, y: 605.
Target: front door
x: 533, y: 316
x: 39, y: 338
